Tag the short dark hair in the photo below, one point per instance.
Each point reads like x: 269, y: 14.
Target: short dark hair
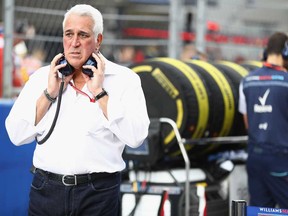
x: 276, y: 43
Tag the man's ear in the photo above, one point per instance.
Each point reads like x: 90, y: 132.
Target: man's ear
x: 99, y: 41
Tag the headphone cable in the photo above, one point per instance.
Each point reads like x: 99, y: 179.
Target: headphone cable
x: 40, y: 142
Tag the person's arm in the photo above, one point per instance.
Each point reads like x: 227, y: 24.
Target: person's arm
x: 42, y: 106
x: 242, y: 107
x: 95, y: 84
x: 103, y: 104
x: 245, y: 119
x: 50, y: 94
x: 125, y: 108
x: 22, y: 123
x: 127, y: 113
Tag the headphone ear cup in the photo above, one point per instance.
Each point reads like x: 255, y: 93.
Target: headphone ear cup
x: 285, y: 51
x: 264, y: 57
x: 68, y: 69
x: 91, y: 61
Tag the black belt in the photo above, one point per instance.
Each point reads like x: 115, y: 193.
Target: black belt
x: 72, y: 180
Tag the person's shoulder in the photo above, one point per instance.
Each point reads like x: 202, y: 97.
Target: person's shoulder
x: 42, y: 72
x: 254, y: 72
x: 115, y: 68
x: 258, y: 70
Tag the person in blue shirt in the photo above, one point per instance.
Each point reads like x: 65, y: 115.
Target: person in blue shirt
x: 263, y: 101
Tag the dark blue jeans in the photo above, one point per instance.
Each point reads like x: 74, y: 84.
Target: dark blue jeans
x: 268, y: 179
x: 98, y: 198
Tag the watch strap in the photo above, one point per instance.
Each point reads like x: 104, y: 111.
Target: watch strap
x: 101, y: 94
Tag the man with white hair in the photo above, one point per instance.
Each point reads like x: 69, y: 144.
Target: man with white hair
x: 82, y: 110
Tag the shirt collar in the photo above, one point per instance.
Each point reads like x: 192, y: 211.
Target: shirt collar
x: 109, y: 67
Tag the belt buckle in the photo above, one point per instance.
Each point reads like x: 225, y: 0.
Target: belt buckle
x: 63, y: 180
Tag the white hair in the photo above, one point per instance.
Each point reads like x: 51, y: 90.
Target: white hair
x: 87, y: 10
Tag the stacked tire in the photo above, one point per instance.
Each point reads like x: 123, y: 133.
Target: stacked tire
x: 201, y: 97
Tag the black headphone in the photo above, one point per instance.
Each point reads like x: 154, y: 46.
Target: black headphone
x: 285, y: 51
x: 265, y: 55
x: 68, y: 69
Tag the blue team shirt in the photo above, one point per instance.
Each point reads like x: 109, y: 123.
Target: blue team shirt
x: 266, y: 93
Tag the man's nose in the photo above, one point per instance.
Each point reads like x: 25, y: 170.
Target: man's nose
x: 75, y: 41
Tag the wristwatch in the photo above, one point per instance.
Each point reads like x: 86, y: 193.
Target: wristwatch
x: 101, y: 94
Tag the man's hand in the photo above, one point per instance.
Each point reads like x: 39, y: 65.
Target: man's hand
x: 95, y: 83
x: 54, y: 80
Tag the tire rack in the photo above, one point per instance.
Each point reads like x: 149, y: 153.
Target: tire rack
x: 198, y: 141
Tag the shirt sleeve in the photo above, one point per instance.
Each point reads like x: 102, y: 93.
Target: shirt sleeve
x: 127, y: 115
x: 242, y: 107
x: 20, y: 123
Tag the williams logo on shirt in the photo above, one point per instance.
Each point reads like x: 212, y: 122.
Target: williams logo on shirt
x: 262, y: 108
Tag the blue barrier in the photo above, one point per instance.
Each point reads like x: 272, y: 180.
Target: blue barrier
x: 255, y: 211
x: 240, y: 208
x: 15, y: 162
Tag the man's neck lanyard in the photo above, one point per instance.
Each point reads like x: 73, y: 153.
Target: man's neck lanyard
x: 92, y: 100
x: 275, y: 67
